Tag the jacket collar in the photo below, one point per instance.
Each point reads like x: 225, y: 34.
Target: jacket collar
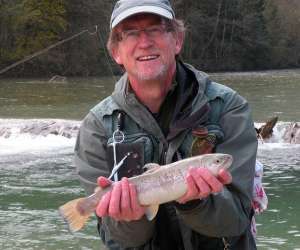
x: 141, y: 115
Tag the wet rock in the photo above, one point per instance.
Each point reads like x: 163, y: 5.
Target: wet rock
x: 292, y: 133
x: 45, y: 128
x: 58, y: 79
x: 5, y: 132
x: 266, y: 130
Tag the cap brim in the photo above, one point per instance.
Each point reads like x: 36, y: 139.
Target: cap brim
x: 141, y: 9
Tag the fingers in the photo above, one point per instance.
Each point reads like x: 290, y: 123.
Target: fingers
x: 130, y: 207
x: 125, y: 198
x: 201, y: 183
x: 192, y: 190
x: 214, y: 185
x: 125, y: 206
x: 137, y: 209
x: 114, y: 204
x: 121, y: 202
x: 224, y: 176
x: 103, y: 205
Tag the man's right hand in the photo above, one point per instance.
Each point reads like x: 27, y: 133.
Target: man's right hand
x: 121, y: 203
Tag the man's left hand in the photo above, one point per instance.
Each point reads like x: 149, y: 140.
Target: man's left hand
x: 201, y: 183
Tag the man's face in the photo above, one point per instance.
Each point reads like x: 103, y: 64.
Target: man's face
x: 147, y: 48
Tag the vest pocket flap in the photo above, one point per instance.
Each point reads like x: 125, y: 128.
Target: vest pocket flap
x: 139, y: 146
x: 133, y: 164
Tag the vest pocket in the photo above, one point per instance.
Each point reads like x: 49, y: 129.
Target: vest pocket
x: 140, y: 148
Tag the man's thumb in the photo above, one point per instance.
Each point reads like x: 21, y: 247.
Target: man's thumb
x: 103, y: 182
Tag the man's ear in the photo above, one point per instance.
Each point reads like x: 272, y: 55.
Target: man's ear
x: 116, y: 55
x: 179, y: 42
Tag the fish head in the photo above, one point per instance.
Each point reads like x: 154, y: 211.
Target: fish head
x: 217, y: 161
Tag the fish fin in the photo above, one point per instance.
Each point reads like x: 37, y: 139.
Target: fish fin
x: 151, y: 167
x: 71, y: 213
x: 151, y: 211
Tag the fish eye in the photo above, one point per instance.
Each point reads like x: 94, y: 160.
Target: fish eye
x: 217, y: 161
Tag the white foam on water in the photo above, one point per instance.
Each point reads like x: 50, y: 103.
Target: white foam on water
x: 276, y: 145
x: 277, y: 139
x: 14, y: 141
x: 27, y: 143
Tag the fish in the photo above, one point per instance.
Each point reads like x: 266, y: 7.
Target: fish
x: 159, y: 184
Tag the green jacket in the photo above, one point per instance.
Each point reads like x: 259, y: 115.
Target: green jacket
x: 203, y: 224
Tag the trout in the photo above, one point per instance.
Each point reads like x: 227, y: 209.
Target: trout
x: 159, y: 184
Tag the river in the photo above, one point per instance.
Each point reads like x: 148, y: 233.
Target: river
x: 37, y: 174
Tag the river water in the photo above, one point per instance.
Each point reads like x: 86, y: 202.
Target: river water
x: 37, y: 174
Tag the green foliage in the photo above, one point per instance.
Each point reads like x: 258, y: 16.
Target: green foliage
x: 86, y: 55
x: 221, y: 35
x: 8, y: 11
x: 283, y: 25
x: 225, y: 35
x: 34, y: 25
x: 41, y: 24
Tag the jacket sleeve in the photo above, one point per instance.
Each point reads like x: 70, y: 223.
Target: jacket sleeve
x: 90, y: 161
x: 228, y: 213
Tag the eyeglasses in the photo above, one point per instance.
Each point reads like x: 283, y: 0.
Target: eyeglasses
x: 154, y: 31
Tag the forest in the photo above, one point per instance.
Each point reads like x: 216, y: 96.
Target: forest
x: 222, y: 35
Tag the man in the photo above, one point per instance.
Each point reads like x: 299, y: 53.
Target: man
x: 165, y: 110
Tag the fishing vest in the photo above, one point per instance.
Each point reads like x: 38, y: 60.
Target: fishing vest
x: 113, y: 118
x: 109, y: 114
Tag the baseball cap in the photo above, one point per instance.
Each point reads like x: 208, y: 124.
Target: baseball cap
x: 126, y: 8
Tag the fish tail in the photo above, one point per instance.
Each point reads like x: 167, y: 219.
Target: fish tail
x: 72, y: 214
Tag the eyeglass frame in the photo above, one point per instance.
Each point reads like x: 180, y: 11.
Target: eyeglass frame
x: 164, y: 28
